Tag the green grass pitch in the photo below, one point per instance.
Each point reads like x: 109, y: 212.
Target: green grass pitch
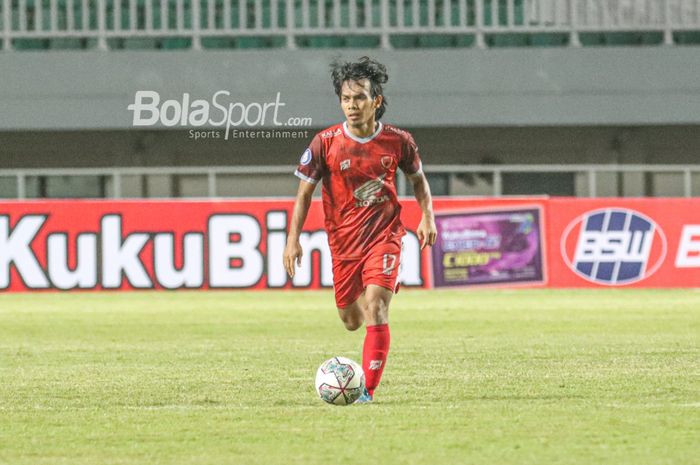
x: 474, y: 377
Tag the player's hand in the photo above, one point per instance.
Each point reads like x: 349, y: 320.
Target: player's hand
x: 292, y: 253
x: 427, y: 232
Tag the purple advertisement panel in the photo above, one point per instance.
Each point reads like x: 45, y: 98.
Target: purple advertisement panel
x: 488, y: 247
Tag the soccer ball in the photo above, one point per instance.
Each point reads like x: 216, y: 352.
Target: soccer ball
x: 340, y: 381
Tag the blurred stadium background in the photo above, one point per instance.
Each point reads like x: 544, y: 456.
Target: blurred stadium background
x: 583, y: 98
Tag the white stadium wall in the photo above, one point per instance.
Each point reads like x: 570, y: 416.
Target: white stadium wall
x: 437, y: 88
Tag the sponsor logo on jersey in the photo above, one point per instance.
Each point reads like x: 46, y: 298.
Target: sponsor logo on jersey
x: 395, y: 129
x: 613, y: 246
x: 345, y: 164
x: 330, y: 133
x: 366, y: 194
x: 305, y: 157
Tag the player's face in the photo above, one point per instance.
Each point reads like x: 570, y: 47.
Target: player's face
x: 357, y: 102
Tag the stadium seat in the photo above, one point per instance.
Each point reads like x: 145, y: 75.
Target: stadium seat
x: 465, y: 40
x: 488, y: 13
x: 78, y: 16
x: 325, y: 41
x: 281, y: 13
x: 470, y: 18
x: 217, y: 42
x: 549, y: 40
x: 90, y: 43
x: 313, y: 15
x: 141, y: 43
x: 362, y: 41
x: 501, y: 13
x: 377, y: 13
x: 30, y: 44
x: 591, y: 39
x: 67, y: 44
x: 345, y: 16
x: 318, y: 42
x: 408, y: 20
x: 277, y: 42
x: 114, y: 23
x: 89, y: 17
x: 252, y: 42
x: 652, y: 38
x: 518, y: 12
x: 507, y: 40
x: 440, y: 19
x: 235, y: 15
x: 394, y: 14
x: 157, y: 21
x: 686, y: 38
x: 436, y: 41
x: 345, y: 13
x: 176, y: 43
x: 411, y: 20
x: 115, y: 44
x: 622, y: 38
x: 266, y: 14
x: 404, y: 41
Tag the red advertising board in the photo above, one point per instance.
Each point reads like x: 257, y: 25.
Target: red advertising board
x: 238, y: 244
x: 624, y: 242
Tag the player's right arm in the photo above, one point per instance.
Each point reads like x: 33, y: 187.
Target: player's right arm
x: 310, y: 170
x: 293, y: 251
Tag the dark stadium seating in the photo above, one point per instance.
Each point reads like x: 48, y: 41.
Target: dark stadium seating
x: 362, y: 41
x: 687, y: 38
x: 549, y: 40
x: 171, y: 34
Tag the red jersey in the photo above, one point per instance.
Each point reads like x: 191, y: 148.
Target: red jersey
x: 359, y: 184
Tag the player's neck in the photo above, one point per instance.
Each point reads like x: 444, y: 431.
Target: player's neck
x: 363, y: 130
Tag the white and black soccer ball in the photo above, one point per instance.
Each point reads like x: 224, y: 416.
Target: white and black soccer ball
x: 340, y: 381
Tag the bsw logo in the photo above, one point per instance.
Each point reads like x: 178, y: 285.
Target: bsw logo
x: 613, y: 246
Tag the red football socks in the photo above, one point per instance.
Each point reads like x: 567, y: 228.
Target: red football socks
x: 374, y: 355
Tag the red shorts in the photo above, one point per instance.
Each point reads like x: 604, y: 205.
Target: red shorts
x: 379, y: 266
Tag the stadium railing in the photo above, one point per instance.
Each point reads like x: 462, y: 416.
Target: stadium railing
x: 205, y: 24
x: 208, y: 181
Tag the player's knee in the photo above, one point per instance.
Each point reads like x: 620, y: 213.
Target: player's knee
x: 352, y: 325
x: 376, y: 311
x: 351, y: 319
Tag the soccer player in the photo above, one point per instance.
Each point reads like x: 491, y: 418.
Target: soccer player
x: 357, y: 161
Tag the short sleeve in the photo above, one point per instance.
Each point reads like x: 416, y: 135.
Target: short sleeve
x: 410, y: 159
x: 311, y: 164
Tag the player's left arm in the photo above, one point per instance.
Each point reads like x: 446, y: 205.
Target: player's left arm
x: 427, y: 232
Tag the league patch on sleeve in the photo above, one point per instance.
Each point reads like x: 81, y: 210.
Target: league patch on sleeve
x: 305, y: 157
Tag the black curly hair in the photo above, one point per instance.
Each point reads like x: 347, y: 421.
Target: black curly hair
x: 364, y: 68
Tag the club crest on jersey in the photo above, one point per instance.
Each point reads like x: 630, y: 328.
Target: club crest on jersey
x: 305, y: 157
x: 345, y: 164
x: 613, y: 246
x: 366, y: 194
x: 387, y: 162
